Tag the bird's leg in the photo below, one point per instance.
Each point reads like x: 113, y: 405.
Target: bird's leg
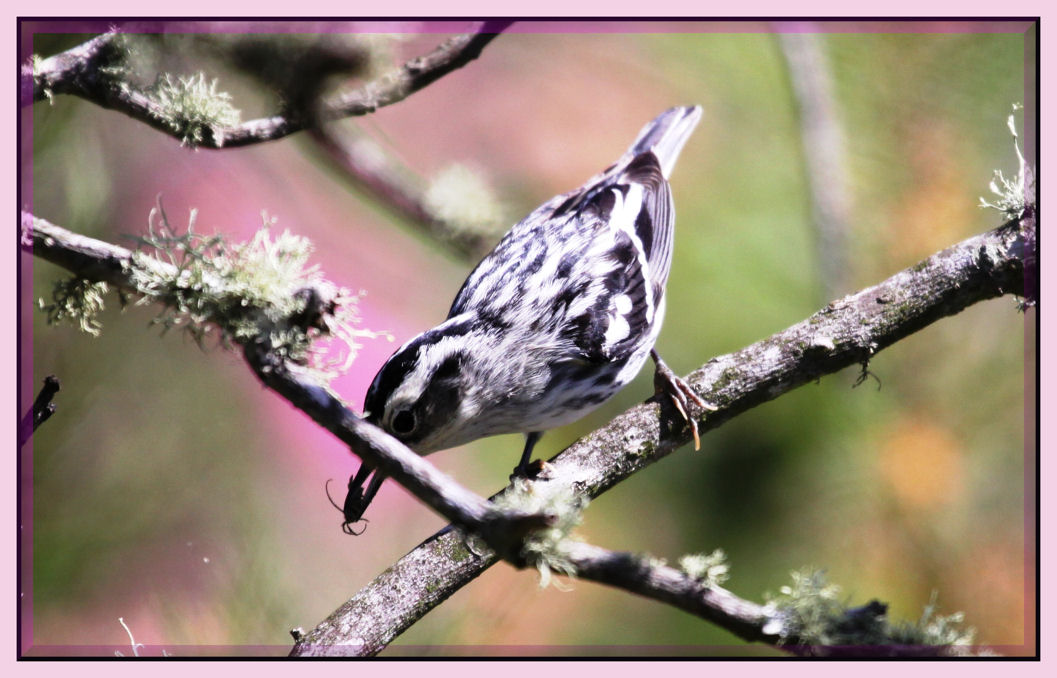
x: 525, y: 469
x: 679, y: 393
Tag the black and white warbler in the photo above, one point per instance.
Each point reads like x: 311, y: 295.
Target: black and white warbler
x: 552, y: 323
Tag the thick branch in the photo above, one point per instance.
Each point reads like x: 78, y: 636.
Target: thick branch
x: 847, y: 332
x: 82, y: 72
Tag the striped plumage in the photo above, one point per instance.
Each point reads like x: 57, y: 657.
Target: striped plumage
x: 552, y: 323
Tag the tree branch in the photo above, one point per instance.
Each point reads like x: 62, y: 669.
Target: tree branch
x: 84, y: 71
x: 653, y: 579
x: 847, y: 332
x: 862, y: 631
x: 104, y: 262
x: 41, y: 411
x: 365, y: 165
x: 502, y: 529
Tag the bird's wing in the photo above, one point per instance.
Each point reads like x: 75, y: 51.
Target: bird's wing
x: 624, y: 269
x: 586, y: 270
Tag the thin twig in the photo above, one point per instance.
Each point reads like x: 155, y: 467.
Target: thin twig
x: 653, y: 579
x: 41, y: 411
x: 82, y: 71
x: 366, y: 166
x: 770, y: 625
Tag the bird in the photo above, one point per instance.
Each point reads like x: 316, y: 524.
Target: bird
x: 553, y: 322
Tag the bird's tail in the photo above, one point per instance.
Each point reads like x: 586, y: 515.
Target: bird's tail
x: 666, y: 135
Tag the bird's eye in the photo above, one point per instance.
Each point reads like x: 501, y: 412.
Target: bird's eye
x: 403, y: 422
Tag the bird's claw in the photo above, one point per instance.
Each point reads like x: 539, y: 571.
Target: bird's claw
x: 679, y: 393
x: 533, y: 470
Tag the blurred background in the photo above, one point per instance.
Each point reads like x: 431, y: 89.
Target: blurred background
x: 172, y: 491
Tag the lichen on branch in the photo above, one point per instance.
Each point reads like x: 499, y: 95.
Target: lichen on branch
x: 194, y: 111
x: 542, y: 548
x: 77, y: 301
x: 263, y: 290
x: 1013, y: 196
x: 193, y: 107
x: 812, y: 613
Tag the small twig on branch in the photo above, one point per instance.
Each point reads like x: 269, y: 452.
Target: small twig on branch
x: 41, y: 411
x: 653, y: 579
x: 84, y: 71
x: 847, y: 332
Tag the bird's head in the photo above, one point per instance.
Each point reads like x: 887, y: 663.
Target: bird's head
x: 420, y: 395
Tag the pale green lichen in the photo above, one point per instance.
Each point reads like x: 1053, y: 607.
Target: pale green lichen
x: 1017, y: 194
x: 934, y: 629
x: 117, y: 55
x: 711, y: 569
x: 262, y: 290
x: 381, y: 49
x: 542, y: 548
x: 36, y: 63
x: 810, y: 608
x: 77, y: 301
x: 813, y: 612
x: 190, y: 106
x: 462, y: 200
x: 259, y: 290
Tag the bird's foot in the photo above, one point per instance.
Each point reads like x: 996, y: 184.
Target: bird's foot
x: 533, y: 470
x: 678, y: 392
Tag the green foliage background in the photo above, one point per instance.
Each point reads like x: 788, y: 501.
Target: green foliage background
x: 172, y: 491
